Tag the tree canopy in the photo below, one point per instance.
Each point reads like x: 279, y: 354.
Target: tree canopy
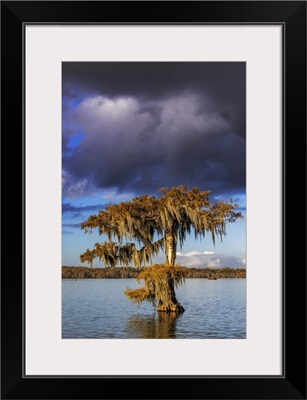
x: 138, y: 229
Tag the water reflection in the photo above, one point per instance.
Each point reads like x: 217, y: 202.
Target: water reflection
x: 156, y: 326
x: 98, y: 309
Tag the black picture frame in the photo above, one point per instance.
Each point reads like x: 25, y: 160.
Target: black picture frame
x: 292, y: 383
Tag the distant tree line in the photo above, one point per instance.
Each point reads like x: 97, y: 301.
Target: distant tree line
x: 130, y: 272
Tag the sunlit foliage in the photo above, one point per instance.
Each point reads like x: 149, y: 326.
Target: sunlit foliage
x: 157, y: 283
x: 173, y: 215
x: 138, y: 229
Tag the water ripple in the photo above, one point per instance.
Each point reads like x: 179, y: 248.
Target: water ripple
x: 98, y: 308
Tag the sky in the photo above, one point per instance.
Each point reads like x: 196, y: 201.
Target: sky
x: 130, y: 128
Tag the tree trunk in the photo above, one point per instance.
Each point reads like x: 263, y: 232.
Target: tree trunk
x: 169, y: 302
x: 170, y: 305
x: 170, y: 248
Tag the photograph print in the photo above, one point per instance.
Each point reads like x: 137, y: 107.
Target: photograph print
x: 154, y: 200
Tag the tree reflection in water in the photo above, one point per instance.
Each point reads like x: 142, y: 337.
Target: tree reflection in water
x: 160, y: 325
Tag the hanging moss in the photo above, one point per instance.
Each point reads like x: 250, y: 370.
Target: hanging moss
x: 138, y: 229
x: 160, y: 280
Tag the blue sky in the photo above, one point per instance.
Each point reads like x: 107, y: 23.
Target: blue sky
x: 131, y: 128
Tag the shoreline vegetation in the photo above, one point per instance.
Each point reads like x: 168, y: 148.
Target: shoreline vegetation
x: 130, y: 272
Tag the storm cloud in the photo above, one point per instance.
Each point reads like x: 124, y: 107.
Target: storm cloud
x: 135, y: 127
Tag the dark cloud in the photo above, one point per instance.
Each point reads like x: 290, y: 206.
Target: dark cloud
x: 76, y: 225
x: 222, y: 82
x: 68, y: 207
x: 148, y: 125
x: 71, y: 211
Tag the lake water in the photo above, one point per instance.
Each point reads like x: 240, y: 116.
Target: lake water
x: 98, y: 308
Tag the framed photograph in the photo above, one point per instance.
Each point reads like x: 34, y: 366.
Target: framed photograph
x: 163, y: 155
